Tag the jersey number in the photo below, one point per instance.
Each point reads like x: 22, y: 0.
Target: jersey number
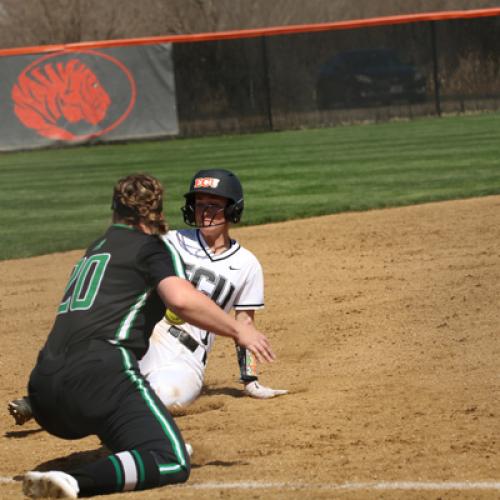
x: 84, y: 283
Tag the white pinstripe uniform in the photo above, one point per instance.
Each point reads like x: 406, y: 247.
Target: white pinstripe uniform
x: 234, y: 280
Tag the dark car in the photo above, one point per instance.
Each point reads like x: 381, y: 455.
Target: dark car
x: 368, y: 76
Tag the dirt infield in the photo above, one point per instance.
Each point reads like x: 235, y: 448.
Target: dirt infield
x: 385, y: 324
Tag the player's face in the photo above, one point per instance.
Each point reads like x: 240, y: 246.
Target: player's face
x: 209, y: 210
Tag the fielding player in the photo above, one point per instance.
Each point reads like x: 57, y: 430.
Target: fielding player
x: 222, y: 269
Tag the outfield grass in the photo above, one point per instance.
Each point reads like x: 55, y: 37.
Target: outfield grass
x: 59, y: 199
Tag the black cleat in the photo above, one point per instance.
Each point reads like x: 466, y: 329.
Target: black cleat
x: 20, y: 409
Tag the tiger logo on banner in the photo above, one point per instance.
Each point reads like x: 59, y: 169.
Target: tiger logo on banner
x: 65, y: 96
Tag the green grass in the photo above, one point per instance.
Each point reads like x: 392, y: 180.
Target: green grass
x: 58, y: 199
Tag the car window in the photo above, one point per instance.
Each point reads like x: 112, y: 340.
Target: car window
x: 374, y: 58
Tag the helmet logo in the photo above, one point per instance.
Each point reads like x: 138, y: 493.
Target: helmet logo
x: 206, y: 182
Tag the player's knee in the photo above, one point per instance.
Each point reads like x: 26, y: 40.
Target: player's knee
x: 167, y: 393
x: 163, y: 465
x: 174, y: 399
x: 184, y: 473
x: 179, y: 463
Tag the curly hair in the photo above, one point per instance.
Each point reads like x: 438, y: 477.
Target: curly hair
x: 138, y: 198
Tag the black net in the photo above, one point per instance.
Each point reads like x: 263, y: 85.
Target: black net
x: 469, y: 64
x: 339, y: 76
x: 336, y: 76
x: 221, y: 86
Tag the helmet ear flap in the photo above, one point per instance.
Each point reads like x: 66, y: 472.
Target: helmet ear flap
x: 233, y: 211
x: 188, y: 211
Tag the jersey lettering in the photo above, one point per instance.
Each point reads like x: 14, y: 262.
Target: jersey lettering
x: 204, y: 337
x: 84, y: 283
x: 215, y: 286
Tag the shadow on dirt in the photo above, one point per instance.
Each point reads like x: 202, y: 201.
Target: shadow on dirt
x: 218, y: 463
x: 80, y: 458
x: 223, y: 391
x: 74, y: 460
x: 22, y: 434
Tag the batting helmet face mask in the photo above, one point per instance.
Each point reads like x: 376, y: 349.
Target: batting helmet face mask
x: 217, y: 182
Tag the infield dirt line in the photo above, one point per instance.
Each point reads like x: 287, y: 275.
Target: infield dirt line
x: 382, y: 485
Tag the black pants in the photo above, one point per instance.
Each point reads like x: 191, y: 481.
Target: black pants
x: 99, y: 390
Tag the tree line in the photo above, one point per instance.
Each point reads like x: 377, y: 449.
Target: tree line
x: 44, y: 22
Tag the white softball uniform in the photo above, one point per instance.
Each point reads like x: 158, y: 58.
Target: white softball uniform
x: 234, y: 280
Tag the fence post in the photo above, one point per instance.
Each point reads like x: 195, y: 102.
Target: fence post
x: 267, y: 83
x: 435, y: 68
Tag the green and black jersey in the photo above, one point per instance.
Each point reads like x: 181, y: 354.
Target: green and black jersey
x: 111, y: 293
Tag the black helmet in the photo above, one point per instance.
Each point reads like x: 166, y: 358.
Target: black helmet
x: 221, y: 183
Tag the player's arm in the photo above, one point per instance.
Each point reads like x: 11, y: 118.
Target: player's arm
x: 248, y: 364
x: 196, y: 308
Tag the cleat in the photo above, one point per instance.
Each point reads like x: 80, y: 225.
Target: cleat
x: 20, y: 409
x: 189, y: 449
x: 53, y: 484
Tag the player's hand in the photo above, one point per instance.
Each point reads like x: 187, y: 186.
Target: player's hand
x: 255, y: 390
x: 256, y: 342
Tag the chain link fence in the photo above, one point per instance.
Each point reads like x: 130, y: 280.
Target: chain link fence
x: 327, y: 78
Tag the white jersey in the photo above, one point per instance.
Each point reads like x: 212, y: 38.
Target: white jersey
x: 232, y: 279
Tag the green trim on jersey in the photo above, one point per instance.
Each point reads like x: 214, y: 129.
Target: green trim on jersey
x: 176, y: 259
x: 141, y: 469
x: 118, y: 471
x: 99, y: 245
x: 125, y: 226
x: 124, y: 329
x: 169, y: 432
